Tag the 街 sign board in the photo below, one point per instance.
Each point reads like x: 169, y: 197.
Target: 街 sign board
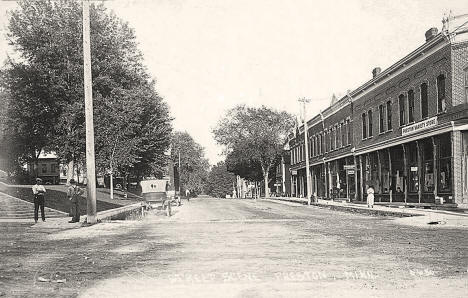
x: 422, y: 125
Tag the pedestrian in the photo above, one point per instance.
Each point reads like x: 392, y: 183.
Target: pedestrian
x: 73, y: 195
x: 187, y: 194
x: 39, y: 192
x: 370, y: 196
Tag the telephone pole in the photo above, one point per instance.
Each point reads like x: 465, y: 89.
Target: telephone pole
x: 306, y: 143
x: 90, y: 160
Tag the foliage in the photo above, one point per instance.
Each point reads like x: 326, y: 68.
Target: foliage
x: 254, y: 135
x: 193, y: 168
x: 132, y: 122
x: 220, y: 181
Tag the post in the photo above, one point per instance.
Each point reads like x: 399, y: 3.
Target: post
x: 306, y: 144
x: 90, y: 162
x: 111, y: 183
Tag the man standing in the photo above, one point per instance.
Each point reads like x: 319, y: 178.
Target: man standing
x: 38, y: 191
x: 73, y: 194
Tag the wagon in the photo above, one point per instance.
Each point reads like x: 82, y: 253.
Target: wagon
x: 155, y: 192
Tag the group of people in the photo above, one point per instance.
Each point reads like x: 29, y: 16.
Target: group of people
x: 73, y: 195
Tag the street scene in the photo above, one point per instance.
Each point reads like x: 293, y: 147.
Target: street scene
x: 237, y: 248
x: 202, y: 148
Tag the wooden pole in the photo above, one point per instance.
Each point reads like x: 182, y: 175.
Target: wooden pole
x: 90, y: 160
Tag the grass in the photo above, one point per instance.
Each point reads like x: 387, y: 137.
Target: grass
x: 56, y: 198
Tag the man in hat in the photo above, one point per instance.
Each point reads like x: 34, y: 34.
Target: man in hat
x: 38, y: 191
x: 73, y: 194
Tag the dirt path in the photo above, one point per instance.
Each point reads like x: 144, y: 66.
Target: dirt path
x: 231, y: 248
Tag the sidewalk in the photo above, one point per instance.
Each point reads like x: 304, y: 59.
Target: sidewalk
x: 412, y: 216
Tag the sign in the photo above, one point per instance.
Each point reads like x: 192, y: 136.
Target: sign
x: 350, y: 172
x: 277, y: 184
x: 348, y: 167
x: 414, y: 169
x: 294, y: 172
x: 422, y: 125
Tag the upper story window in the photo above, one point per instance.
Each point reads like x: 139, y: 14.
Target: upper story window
x: 381, y: 118
x: 401, y: 104
x: 369, y: 119
x: 348, y: 133
x: 330, y: 136
x: 364, y: 125
x: 424, y: 105
x: 321, y: 144
x: 441, y: 107
x: 389, y: 115
x: 343, y: 134
x: 410, y: 106
x: 466, y: 84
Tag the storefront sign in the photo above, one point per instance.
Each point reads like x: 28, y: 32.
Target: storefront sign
x: 350, y: 172
x: 419, y: 126
x: 294, y: 172
x: 348, y: 167
x: 414, y: 169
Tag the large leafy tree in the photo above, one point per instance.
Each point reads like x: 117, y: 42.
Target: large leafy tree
x: 193, y: 167
x: 46, y: 84
x: 258, y: 134
x: 220, y: 181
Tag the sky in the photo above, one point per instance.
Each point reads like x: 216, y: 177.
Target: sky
x: 208, y: 56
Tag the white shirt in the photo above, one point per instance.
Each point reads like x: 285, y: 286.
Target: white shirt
x: 38, y: 188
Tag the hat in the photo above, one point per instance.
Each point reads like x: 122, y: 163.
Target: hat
x: 38, y: 180
x: 72, y: 181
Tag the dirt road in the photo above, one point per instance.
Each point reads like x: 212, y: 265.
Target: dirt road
x: 236, y: 248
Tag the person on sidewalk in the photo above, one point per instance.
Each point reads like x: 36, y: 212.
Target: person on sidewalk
x: 370, y: 196
x: 38, y: 190
x: 73, y: 194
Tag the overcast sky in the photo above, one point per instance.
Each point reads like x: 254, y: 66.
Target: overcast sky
x: 210, y: 55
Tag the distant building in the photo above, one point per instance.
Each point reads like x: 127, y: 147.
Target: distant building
x: 405, y: 132
x: 48, y: 168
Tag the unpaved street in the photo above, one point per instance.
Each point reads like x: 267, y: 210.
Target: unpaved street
x: 236, y: 248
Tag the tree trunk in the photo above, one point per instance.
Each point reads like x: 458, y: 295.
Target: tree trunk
x: 265, y: 178
x: 70, y: 171
x: 111, y: 183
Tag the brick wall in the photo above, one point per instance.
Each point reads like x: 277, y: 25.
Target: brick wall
x: 459, y: 63
x: 425, y: 71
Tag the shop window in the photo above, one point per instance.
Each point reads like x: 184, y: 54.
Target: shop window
x: 369, y: 119
x: 424, y: 106
x: 381, y: 118
x: 397, y: 184
x: 445, y: 164
x: 364, y: 126
x: 401, y: 104
x: 389, y: 115
x: 410, y: 106
x: 428, y: 168
x: 441, y: 106
x: 385, y: 168
x: 413, y: 183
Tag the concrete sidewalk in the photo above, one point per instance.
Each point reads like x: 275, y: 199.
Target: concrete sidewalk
x: 412, y: 216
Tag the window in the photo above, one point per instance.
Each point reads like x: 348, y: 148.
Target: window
x: 389, y: 115
x: 53, y: 168
x: 424, y: 107
x: 369, y: 119
x: 335, y: 143
x: 343, y: 134
x: 348, y: 132
x: 322, y: 144
x: 441, y: 94
x: 410, y: 106
x: 381, y: 118
x: 44, y: 168
x: 466, y: 84
x: 364, y: 126
x: 401, y: 104
x: 330, y: 139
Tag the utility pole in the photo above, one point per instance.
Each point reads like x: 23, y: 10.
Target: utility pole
x: 306, y: 143
x: 90, y: 160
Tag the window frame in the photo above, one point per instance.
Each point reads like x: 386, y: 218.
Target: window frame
x: 426, y: 99
x: 381, y: 119
x: 364, y: 125
x: 370, y: 128
x: 444, y: 99
x: 402, y: 98
x: 411, y: 109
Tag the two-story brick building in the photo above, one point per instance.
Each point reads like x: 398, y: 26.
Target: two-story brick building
x: 405, y: 132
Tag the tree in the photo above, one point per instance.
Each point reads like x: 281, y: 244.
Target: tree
x: 132, y: 122
x: 220, y: 181
x: 257, y: 134
x: 193, y: 167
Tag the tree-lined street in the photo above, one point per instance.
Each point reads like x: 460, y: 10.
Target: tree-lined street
x: 236, y: 248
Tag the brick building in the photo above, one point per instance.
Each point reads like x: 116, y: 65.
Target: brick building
x: 405, y: 132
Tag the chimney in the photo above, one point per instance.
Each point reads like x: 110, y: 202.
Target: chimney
x: 431, y: 33
x: 375, y: 72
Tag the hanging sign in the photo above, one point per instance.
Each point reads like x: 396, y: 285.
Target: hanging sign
x: 414, y: 169
x: 422, y: 125
x: 348, y: 167
x: 293, y: 172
